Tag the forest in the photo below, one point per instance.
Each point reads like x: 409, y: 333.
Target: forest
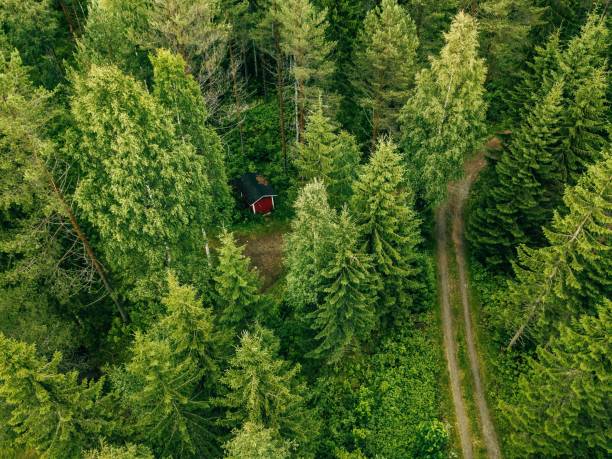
x: 428, y: 276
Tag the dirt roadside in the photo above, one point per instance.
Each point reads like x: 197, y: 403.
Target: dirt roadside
x: 453, y: 209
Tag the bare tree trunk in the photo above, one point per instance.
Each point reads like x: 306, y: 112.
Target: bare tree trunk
x: 236, y: 93
x: 90, y: 253
x: 301, y: 124
x: 81, y: 235
x: 68, y: 19
x: 374, y: 127
x: 280, y: 96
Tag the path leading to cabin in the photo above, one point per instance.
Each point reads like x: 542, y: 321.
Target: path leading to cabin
x: 451, y: 212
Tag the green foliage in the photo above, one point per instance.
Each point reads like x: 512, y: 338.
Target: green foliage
x: 157, y: 392
x: 527, y: 186
x: 309, y: 246
x: 128, y: 451
x: 179, y: 93
x: 385, y: 64
x: 39, y: 273
x: 563, y: 406
x: 189, y: 327
x: 53, y: 413
x: 34, y: 28
x: 112, y: 36
x: 265, y: 390
x: 443, y: 121
x: 346, y: 316
x: 507, y: 28
x: 431, y: 19
x: 328, y: 155
x: 197, y: 31
x: 432, y: 440
x: 569, y: 276
x: 236, y: 285
x: 389, y: 228
x: 303, y: 39
x: 381, y: 404
x: 564, y: 127
x: 253, y: 441
x: 143, y: 190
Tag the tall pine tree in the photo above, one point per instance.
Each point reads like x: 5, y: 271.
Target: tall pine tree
x: 329, y: 155
x: 159, y: 402
x: 55, y: 414
x: 346, y: 316
x: 527, y: 186
x: 265, y: 389
x: 236, y: 285
x: 189, y: 327
x: 143, y: 190
x: 385, y: 64
x: 303, y: 39
x: 309, y: 245
x: 389, y: 228
x: 443, y: 122
x: 556, y: 283
x: 563, y: 404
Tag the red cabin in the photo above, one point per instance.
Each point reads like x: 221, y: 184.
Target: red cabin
x: 256, y: 193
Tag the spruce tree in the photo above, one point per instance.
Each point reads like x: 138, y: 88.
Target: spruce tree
x: 527, y: 186
x: 265, y: 390
x: 388, y: 227
x: 53, y: 413
x: 309, y: 245
x: 189, y: 327
x: 537, y: 78
x: 346, y: 316
x: 329, y: 155
x: 236, y: 285
x: 303, y: 39
x: 253, y: 441
x: 443, y: 121
x: 143, y: 190
x: 157, y: 391
x: 179, y: 93
x: 583, y: 67
x: 385, y: 64
x: 566, y: 278
x: 507, y: 36
x: 563, y: 404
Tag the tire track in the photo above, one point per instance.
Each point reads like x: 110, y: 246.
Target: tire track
x: 453, y: 208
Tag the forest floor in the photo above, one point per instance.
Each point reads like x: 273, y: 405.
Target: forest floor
x: 264, y: 246
x: 458, y: 334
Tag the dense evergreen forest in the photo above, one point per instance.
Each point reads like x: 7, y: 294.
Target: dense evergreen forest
x: 146, y: 312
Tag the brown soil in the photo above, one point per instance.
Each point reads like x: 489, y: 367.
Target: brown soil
x: 453, y: 209
x: 266, y: 254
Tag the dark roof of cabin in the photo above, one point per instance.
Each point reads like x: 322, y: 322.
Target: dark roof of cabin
x: 254, y: 187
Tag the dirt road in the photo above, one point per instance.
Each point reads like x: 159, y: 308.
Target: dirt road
x: 450, y: 346
x: 453, y: 209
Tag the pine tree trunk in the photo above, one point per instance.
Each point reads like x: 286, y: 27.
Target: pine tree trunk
x: 280, y: 95
x: 66, y: 14
x: 301, y: 124
x: 233, y: 73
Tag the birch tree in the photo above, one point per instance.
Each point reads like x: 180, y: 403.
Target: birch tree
x: 443, y: 121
